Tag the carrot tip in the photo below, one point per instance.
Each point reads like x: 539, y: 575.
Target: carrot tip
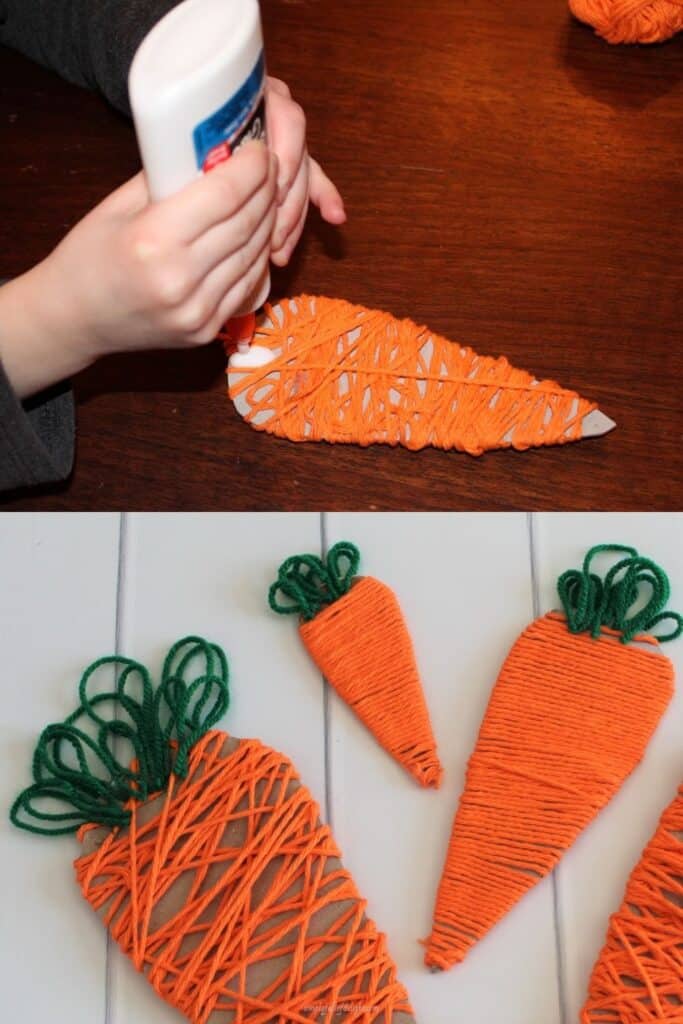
x: 429, y: 776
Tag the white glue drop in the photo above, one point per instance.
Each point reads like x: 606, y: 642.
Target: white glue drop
x: 197, y: 92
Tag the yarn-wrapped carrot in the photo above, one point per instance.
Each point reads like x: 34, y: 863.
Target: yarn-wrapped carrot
x: 354, y: 631
x: 638, y: 977
x: 569, y: 718
x: 631, y: 21
x: 205, y: 856
x: 343, y: 373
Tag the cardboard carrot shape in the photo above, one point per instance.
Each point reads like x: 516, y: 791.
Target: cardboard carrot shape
x: 205, y: 855
x: 638, y: 977
x: 346, y: 374
x: 354, y: 631
x: 569, y: 718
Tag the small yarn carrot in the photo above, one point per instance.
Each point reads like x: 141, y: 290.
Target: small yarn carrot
x: 638, y: 977
x: 205, y: 856
x: 574, y: 706
x: 631, y: 21
x: 354, y: 631
x: 343, y: 373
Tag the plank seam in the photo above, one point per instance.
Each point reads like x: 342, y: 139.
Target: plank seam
x: 555, y: 875
x: 118, y: 633
x: 327, y: 708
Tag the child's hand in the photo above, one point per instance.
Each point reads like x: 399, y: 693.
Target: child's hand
x: 300, y: 177
x: 135, y: 275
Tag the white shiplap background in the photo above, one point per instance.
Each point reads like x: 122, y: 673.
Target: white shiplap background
x: 76, y: 586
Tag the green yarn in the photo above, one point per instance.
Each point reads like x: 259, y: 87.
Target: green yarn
x: 82, y: 769
x: 590, y: 602
x: 310, y: 584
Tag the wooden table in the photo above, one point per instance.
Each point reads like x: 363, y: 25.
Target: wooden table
x: 77, y: 587
x: 511, y: 180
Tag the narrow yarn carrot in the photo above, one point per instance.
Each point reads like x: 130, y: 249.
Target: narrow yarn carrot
x: 631, y: 21
x: 638, y: 977
x: 213, y: 871
x: 569, y: 718
x: 343, y: 373
x: 354, y: 631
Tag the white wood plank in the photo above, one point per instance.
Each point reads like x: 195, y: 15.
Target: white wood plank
x: 209, y: 574
x: 464, y: 584
x: 593, y: 873
x: 57, y: 613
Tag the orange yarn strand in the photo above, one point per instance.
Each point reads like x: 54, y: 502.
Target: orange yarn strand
x: 343, y: 373
x: 268, y: 927
x: 362, y: 646
x: 552, y: 751
x: 631, y: 21
x: 638, y: 977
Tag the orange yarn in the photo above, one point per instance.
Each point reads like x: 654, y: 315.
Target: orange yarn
x: 568, y: 720
x: 240, y: 846
x: 378, y: 678
x: 631, y: 21
x: 638, y: 977
x: 343, y: 373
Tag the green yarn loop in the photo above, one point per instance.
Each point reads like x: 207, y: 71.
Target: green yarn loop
x: 83, y: 769
x: 309, y: 584
x: 590, y: 602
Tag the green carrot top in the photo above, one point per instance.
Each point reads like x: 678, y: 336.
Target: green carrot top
x: 310, y: 583
x: 591, y: 602
x: 90, y: 771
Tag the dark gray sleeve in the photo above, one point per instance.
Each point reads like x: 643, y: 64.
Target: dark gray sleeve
x: 88, y: 42
x: 37, y: 436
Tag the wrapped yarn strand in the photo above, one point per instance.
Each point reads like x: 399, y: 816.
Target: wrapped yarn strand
x: 354, y: 630
x: 205, y: 856
x: 350, y: 375
x: 631, y: 21
x: 638, y: 976
x: 569, y: 718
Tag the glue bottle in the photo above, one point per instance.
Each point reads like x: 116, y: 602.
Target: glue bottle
x: 197, y: 92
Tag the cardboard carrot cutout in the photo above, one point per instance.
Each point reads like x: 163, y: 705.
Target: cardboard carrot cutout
x: 205, y: 856
x: 353, y: 629
x: 569, y: 718
x: 638, y: 977
x: 346, y: 374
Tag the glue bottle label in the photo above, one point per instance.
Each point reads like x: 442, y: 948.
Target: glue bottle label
x: 240, y: 119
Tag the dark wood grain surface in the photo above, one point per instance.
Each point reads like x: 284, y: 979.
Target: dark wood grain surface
x: 511, y: 180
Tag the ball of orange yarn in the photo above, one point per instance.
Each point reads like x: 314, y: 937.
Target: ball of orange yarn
x: 631, y: 21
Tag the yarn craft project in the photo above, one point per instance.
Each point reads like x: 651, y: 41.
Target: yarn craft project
x: 631, y: 21
x: 354, y: 631
x: 571, y: 713
x: 345, y: 374
x: 638, y: 977
x: 212, y: 869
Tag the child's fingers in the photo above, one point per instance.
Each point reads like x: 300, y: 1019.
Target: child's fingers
x: 226, y: 276
x: 216, y: 196
x: 278, y: 86
x: 325, y: 195
x: 281, y: 257
x: 129, y: 198
x: 286, y: 137
x: 234, y: 293
x: 289, y: 214
x: 221, y: 241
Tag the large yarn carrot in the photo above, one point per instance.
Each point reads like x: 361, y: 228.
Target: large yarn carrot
x: 573, y: 708
x: 213, y: 871
x: 355, y: 632
x: 638, y: 977
x: 343, y: 373
x: 631, y: 21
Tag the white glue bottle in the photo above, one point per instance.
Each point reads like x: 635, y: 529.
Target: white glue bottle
x: 197, y: 92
